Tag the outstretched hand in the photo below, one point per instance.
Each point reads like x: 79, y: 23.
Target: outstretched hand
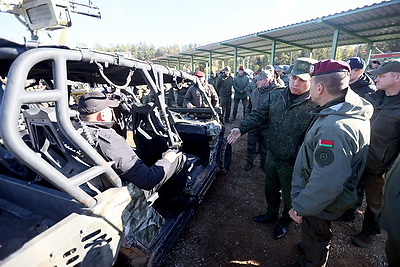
x: 234, y: 135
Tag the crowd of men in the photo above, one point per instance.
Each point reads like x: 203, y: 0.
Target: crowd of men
x: 327, y: 139
x: 332, y: 136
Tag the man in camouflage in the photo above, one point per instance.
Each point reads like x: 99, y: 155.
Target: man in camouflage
x: 258, y: 136
x: 288, y: 113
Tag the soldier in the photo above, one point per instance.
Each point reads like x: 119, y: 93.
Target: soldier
x: 287, y: 112
x: 213, y: 79
x: 258, y: 135
x: 331, y: 159
x: 224, y: 90
x: 97, y: 113
x: 362, y: 85
x: 241, y: 85
x: 193, y: 97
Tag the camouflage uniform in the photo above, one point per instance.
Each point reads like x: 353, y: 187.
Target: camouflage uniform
x: 194, y: 97
x: 288, y: 121
x: 258, y: 135
x: 224, y: 90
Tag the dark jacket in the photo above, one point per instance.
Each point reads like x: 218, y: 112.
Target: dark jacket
x: 224, y: 85
x: 364, y: 85
x: 194, y: 97
x: 241, y: 85
x: 385, y: 132
x: 126, y: 163
x: 288, y: 121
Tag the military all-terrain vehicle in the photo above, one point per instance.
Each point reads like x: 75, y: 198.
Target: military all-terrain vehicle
x: 62, y: 203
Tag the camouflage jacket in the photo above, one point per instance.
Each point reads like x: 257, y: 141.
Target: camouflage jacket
x: 287, y: 121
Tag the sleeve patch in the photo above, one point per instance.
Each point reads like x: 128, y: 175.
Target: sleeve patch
x: 324, y: 156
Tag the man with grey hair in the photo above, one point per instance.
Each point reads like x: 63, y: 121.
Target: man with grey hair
x: 286, y: 113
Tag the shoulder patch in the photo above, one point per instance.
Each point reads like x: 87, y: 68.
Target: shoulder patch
x: 325, y: 143
x: 324, y: 156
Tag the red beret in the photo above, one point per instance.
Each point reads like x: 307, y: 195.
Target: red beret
x: 199, y: 74
x: 329, y: 66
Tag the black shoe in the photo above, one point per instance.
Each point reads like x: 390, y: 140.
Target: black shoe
x: 363, y: 239
x: 248, y: 166
x: 264, y: 218
x: 279, y: 232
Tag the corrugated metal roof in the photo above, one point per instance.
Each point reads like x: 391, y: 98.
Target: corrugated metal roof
x: 368, y: 24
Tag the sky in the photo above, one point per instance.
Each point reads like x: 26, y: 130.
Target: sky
x: 182, y: 22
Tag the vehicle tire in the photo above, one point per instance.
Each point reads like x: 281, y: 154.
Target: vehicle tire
x: 225, y: 158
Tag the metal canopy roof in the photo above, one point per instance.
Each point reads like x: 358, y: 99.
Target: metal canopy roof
x: 368, y: 24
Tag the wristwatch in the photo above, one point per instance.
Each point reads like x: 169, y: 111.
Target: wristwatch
x: 296, y: 213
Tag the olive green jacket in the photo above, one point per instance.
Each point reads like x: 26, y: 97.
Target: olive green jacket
x: 287, y: 122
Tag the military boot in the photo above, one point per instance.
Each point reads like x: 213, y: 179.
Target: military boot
x: 248, y: 166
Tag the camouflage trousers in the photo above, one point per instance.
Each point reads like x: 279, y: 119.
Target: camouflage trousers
x: 255, y: 137
x: 278, y: 176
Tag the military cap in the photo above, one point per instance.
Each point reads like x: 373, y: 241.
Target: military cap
x: 356, y: 63
x: 199, y: 74
x: 329, y: 66
x: 301, y: 68
x: 95, y: 101
x: 387, y: 66
x: 262, y: 76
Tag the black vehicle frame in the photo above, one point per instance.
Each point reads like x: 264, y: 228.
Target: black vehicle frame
x: 50, y: 171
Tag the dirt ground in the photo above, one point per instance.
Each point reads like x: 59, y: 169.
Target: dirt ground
x: 222, y: 233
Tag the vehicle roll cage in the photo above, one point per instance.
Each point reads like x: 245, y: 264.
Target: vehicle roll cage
x: 15, y: 96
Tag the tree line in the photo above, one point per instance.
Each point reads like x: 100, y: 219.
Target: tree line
x: 144, y: 51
